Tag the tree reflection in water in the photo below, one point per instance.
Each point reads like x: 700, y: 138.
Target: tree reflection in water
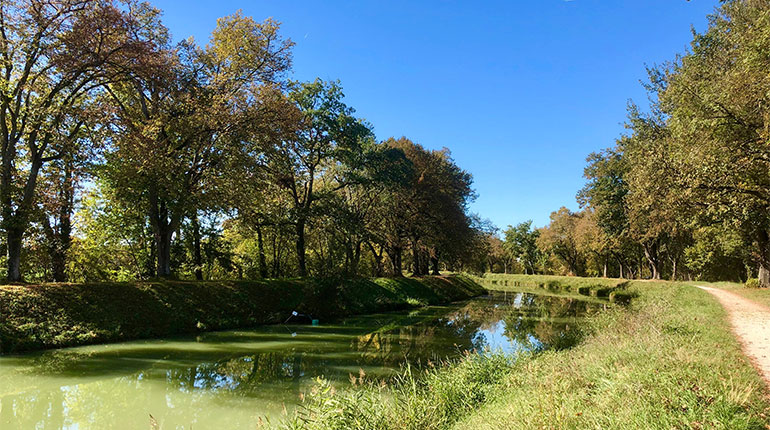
x: 229, y: 379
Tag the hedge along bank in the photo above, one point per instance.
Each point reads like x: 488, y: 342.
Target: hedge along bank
x: 59, y: 315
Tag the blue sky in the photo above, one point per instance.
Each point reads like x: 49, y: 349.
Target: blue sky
x: 520, y: 91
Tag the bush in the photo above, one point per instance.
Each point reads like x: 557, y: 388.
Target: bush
x: 752, y: 283
x: 621, y: 297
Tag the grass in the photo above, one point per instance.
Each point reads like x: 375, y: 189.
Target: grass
x: 666, y: 361
x: 502, y: 281
x: 58, y: 315
x: 432, y: 398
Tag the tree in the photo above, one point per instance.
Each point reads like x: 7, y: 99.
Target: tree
x: 560, y: 239
x: 429, y: 210
x: 716, y: 97
x: 178, y: 122
x: 326, y: 141
x: 521, y: 243
x: 606, y: 193
x: 56, y: 54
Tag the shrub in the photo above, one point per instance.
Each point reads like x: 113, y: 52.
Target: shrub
x: 621, y: 297
x: 752, y: 283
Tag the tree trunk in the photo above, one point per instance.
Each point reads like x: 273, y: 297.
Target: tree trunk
x: 416, y: 263
x: 163, y: 245
x: 764, y: 276
x: 378, y: 269
x: 604, y: 272
x: 301, y: 248
x: 434, y: 263
x: 651, y: 253
x: 163, y: 223
x: 764, y: 259
x: 197, y: 255
x: 356, y: 258
x: 261, y: 251
x: 394, y: 253
x: 150, y: 263
x: 275, y: 255
x: 58, y: 236
x: 673, y: 271
x: 16, y: 222
x: 14, y: 237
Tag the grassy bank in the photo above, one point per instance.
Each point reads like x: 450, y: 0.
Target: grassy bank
x: 58, y: 315
x: 613, y: 289
x: 666, y: 361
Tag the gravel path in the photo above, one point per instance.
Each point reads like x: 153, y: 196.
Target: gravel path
x: 751, y: 323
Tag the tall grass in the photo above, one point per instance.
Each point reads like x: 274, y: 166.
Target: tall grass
x: 419, y: 399
x: 668, y: 361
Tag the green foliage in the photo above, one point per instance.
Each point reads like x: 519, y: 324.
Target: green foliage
x: 752, y: 283
x: 686, y: 187
x: 521, y: 243
x: 560, y: 238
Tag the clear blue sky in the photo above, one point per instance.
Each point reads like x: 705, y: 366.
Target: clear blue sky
x: 520, y: 91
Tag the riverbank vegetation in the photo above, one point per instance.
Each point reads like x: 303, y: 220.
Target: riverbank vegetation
x: 666, y: 361
x: 59, y: 315
x: 613, y: 289
x: 684, y: 193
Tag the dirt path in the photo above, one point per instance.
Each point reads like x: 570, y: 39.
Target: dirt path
x: 751, y: 323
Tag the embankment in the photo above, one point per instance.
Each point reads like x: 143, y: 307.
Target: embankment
x: 58, y: 315
x: 611, y: 288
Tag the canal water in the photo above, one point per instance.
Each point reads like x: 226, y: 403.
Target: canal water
x: 235, y: 379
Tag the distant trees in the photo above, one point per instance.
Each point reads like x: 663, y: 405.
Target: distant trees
x: 427, y: 200
x: 560, y: 239
x: 521, y: 244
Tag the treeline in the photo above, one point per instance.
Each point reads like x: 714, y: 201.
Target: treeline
x: 127, y: 156
x: 685, y: 193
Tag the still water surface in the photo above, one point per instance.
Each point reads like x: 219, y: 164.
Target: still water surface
x: 229, y: 380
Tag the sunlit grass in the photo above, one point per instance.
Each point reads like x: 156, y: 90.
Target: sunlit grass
x: 667, y: 361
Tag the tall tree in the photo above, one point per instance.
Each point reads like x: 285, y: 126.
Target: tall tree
x: 177, y: 124
x: 55, y: 55
x: 717, y: 100
x: 326, y: 137
x: 560, y: 239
